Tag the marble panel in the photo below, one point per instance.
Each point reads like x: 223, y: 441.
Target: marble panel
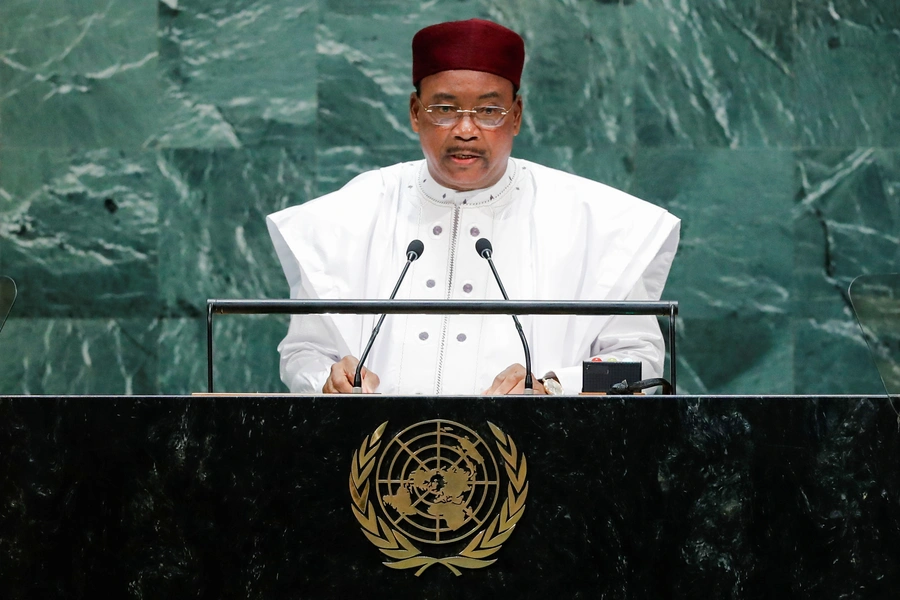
x: 365, y: 72
x: 78, y: 232
x: 848, y: 75
x: 244, y: 353
x: 846, y: 224
x: 79, y: 356
x: 736, y: 250
x: 735, y: 356
x: 261, y: 104
x: 78, y: 75
x: 364, y: 78
x: 237, y: 73
x: 396, y: 8
x: 712, y: 73
x: 579, y: 74
x: 213, y: 237
x: 336, y: 166
x: 611, y: 165
x: 831, y: 354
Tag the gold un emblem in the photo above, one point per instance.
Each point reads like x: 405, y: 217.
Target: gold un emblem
x: 437, y: 486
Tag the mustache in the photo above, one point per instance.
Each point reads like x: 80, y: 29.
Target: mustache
x: 462, y: 150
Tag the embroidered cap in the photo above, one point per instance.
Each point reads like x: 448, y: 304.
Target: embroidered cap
x: 474, y: 45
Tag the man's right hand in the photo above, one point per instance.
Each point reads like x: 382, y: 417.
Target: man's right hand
x: 341, y: 379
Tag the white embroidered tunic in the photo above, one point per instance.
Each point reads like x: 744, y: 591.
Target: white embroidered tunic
x: 555, y: 236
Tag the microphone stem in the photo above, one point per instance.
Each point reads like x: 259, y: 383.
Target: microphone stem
x: 529, y: 383
x: 357, y: 378
x: 400, y: 279
x: 497, y: 277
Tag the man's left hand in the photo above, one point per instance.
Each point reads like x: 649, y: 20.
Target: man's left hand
x: 512, y: 381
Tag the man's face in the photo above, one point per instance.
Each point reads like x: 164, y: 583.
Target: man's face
x: 465, y: 156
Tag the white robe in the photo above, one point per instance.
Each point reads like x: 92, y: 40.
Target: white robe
x: 555, y: 236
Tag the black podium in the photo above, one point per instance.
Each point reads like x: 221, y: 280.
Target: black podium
x: 614, y: 497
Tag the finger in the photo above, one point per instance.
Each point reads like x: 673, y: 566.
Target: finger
x: 349, y: 364
x: 508, y: 384
x: 342, y: 386
x: 506, y: 379
x: 498, y: 384
x: 340, y: 382
x: 332, y: 386
x: 370, y: 381
x: 493, y: 387
x: 341, y: 379
x: 519, y: 387
x: 329, y: 387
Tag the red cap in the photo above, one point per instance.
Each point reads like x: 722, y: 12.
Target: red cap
x: 474, y: 45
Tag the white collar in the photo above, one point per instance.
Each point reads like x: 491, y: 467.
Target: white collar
x: 435, y: 192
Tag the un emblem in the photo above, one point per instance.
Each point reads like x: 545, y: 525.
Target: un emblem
x: 437, y: 484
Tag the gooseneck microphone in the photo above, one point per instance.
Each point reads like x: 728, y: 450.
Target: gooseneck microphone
x: 7, y: 297
x: 413, y: 252
x: 485, y: 250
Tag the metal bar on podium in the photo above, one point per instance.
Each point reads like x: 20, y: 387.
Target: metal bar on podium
x: 673, y: 310
x: 660, y: 308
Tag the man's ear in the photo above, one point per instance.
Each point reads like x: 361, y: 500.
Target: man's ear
x: 518, y: 118
x: 414, y: 107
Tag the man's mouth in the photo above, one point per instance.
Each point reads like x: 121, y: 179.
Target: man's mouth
x: 464, y: 157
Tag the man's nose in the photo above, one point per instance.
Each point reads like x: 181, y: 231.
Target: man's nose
x: 466, y: 128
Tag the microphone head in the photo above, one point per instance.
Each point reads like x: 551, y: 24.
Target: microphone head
x: 484, y: 248
x: 415, y: 250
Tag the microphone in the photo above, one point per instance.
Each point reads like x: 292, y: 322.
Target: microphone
x: 7, y: 297
x: 485, y: 250
x: 413, y: 252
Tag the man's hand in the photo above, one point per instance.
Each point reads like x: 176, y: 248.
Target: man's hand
x: 512, y: 381
x: 341, y: 379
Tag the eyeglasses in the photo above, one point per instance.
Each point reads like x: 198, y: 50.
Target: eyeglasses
x: 445, y: 115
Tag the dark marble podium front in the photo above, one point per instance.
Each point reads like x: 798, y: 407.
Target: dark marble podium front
x: 248, y: 497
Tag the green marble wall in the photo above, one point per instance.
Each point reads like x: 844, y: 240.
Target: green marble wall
x: 142, y: 143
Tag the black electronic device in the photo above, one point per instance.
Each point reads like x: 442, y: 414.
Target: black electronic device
x: 599, y: 377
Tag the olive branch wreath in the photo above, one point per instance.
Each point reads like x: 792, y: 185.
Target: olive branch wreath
x: 397, y: 546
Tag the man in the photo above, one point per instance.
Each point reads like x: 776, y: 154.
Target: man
x: 555, y: 236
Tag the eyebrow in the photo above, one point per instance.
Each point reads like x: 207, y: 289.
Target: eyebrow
x: 447, y: 96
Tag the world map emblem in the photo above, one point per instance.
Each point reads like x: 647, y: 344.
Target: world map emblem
x: 436, y: 494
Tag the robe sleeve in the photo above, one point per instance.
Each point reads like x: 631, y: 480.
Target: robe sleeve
x: 326, y: 255
x: 623, y: 338
x: 634, y: 338
x: 313, y: 342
